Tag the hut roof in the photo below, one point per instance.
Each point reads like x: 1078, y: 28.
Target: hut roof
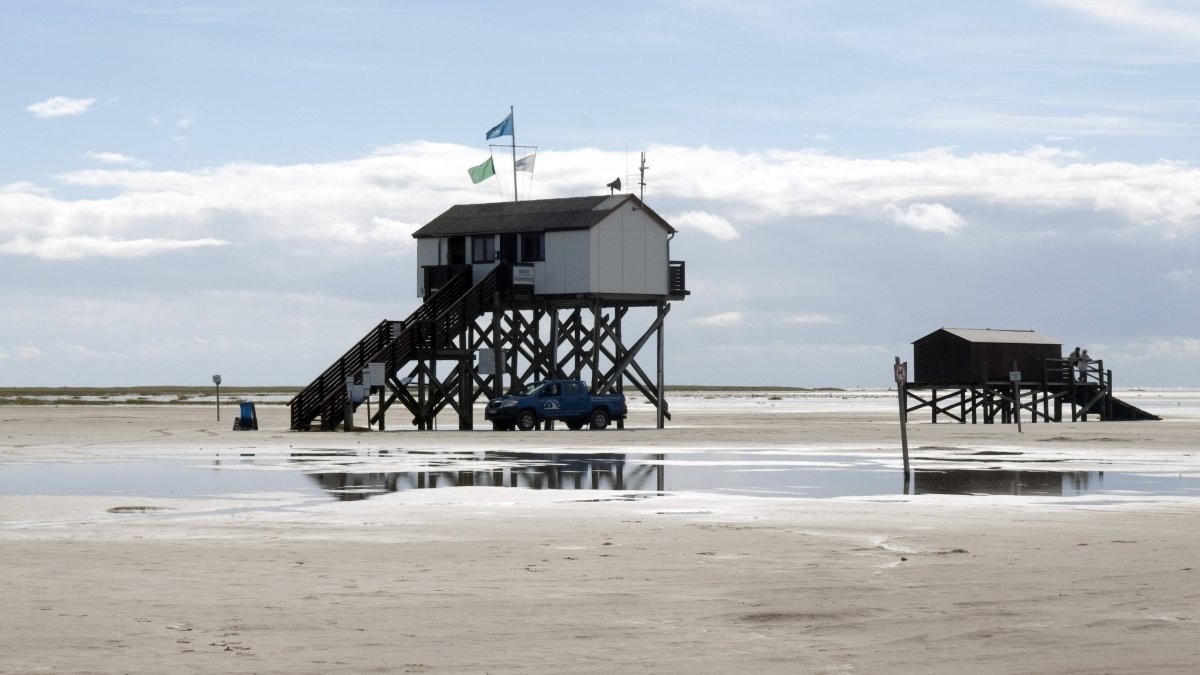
x: 535, y: 215
x: 1028, y: 337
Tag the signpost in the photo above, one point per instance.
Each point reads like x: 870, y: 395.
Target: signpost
x: 1015, y: 377
x: 901, y: 372
x: 217, y: 381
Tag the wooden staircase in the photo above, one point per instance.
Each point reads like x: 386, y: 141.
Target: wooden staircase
x: 436, y: 324
x: 1093, y: 398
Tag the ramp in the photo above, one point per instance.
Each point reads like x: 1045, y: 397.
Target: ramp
x: 1096, y: 400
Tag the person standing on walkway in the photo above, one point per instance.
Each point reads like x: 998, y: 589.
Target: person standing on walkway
x: 1084, y: 360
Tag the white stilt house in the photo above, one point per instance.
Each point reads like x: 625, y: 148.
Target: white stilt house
x: 608, y: 246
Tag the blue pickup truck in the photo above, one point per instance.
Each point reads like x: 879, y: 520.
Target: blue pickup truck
x: 566, y: 400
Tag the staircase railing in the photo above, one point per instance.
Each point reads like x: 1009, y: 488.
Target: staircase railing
x: 327, y: 393
x: 305, y: 403
x: 452, y: 320
x: 433, y: 325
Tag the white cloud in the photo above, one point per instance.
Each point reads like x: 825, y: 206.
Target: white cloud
x: 772, y: 184
x: 375, y: 201
x: 23, y: 187
x: 1060, y: 127
x: 709, y: 223
x: 183, y: 122
x: 60, y: 106
x: 812, y: 318
x: 74, y: 248
x: 1146, y: 204
x: 115, y: 158
x: 1159, y: 348
x: 80, y: 351
x: 1151, y: 16
x: 723, y: 319
x: 27, y: 352
x: 926, y: 218
x: 1186, y: 280
x: 812, y: 349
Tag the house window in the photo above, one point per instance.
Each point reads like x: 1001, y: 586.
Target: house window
x: 533, y: 246
x: 483, y: 249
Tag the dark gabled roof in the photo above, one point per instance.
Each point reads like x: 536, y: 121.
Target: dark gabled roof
x: 535, y: 215
x: 1027, y: 337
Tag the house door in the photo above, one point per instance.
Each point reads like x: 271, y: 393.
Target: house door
x: 456, y: 251
x: 508, y: 248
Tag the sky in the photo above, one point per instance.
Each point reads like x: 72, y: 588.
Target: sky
x: 231, y: 187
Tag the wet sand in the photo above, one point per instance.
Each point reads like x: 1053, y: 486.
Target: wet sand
x: 502, y: 580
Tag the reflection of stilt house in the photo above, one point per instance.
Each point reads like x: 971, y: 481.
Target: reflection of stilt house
x: 548, y: 288
x: 967, y: 373
x: 599, y: 471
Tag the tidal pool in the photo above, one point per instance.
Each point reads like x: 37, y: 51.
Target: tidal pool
x: 349, y: 475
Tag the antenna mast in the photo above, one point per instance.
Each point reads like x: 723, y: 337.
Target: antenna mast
x: 514, y: 150
x: 642, y: 179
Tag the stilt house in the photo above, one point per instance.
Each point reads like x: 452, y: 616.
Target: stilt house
x: 613, y: 247
x: 961, y: 373
x: 516, y: 291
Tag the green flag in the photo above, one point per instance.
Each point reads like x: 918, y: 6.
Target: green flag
x: 482, y: 172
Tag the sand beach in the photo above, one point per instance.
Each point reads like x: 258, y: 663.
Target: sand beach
x: 483, y: 578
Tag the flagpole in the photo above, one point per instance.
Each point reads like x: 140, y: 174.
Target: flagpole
x: 514, y: 149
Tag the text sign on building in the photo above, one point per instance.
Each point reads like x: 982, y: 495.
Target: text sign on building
x: 522, y: 275
x: 1014, y: 376
x: 375, y: 375
x: 490, y: 361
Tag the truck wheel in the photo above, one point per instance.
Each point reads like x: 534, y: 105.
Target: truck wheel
x: 574, y: 425
x: 599, y: 418
x: 526, y: 421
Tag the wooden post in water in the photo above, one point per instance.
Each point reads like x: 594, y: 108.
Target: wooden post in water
x: 382, y: 407
x: 1015, y: 376
x: 901, y: 372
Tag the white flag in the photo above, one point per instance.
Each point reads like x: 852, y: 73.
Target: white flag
x: 526, y: 163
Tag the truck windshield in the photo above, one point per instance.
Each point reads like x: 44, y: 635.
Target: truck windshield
x: 531, y: 389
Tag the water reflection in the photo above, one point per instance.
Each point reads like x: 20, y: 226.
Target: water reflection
x: 1002, y: 482
x: 536, y: 471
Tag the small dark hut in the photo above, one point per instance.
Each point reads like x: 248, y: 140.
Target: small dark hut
x: 961, y: 355
x: 962, y: 372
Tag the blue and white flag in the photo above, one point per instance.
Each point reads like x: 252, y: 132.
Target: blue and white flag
x: 503, y: 129
x: 525, y: 163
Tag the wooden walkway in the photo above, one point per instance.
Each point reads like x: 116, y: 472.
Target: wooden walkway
x: 1059, y: 393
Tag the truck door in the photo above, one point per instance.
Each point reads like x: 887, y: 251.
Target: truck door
x: 574, y: 400
x: 551, y: 401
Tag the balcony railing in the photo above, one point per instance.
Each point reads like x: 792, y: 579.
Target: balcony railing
x: 676, y: 278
